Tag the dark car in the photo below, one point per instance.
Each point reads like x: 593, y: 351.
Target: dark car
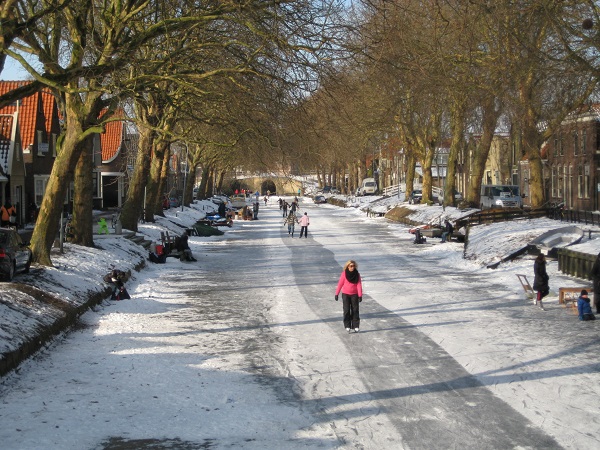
x: 415, y: 197
x: 14, y: 254
x: 320, y: 199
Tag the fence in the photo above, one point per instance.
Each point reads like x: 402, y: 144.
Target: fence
x: 504, y: 215
x: 576, y: 264
x: 569, y: 215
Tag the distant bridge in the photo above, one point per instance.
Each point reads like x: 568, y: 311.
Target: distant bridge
x: 274, y: 184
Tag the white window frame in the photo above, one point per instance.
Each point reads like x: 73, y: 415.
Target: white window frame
x: 40, y: 181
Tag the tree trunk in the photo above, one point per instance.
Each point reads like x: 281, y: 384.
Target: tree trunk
x: 83, y: 198
x: 204, y: 182
x: 456, y: 145
x: 490, y: 119
x: 411, y: 162
x: 134, y: 202
x: 153, y: 197
x: 531, y: 146
x: 47, y: 224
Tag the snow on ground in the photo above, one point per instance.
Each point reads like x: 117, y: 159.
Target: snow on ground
x: 79, y: 271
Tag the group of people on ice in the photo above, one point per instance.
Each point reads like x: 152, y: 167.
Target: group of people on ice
x: 291, y: 220
x: 542, y: 287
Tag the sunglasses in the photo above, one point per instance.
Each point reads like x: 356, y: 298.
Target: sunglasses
x: 351, y: 265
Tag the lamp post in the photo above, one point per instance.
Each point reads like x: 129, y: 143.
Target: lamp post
x: 185, y: 174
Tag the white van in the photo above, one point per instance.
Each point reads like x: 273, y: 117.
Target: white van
x: 500, y: 196
x: 368, y: 187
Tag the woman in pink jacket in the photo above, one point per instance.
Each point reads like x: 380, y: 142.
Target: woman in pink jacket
x: 350, y: 285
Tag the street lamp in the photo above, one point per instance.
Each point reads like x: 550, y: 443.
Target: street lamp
x: 185, y: 174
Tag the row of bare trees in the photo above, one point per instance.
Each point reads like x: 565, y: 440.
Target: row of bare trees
x: 424, y: 72
x: 213, y: 75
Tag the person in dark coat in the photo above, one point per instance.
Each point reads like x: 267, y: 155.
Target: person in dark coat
x: 185, y: 253
x: 541, y: 278
x: 222, y: 210
x: 595, y: 275
x: 448, y: 230
x: 583, y: 307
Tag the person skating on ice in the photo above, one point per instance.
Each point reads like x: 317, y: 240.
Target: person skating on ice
x: 291, y: 222
x: 304, y: 223
x: 350, y: 285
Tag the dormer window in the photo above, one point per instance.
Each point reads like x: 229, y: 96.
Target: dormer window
x: 42, y: 147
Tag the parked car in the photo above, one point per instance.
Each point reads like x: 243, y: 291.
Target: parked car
x: 415, y: 197
x: 174, y: 202
x: 320, y: 199
x: 457, y: 197
x: 368, y: 186
x: 328, y: 190
x: 15, y: 255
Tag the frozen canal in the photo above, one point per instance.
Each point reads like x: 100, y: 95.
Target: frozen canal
x: 246, y: 349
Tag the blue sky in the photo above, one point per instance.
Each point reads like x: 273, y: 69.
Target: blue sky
x: 13, y: 71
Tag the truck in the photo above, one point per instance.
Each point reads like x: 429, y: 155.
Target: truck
x: 500, y: 196
x: 367, y: 187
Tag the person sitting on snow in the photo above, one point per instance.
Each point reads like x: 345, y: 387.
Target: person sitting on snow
x: 185, y: 253
x: 584, y: 308
x: 448, y: 230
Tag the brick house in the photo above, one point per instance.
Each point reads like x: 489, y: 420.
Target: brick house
x: 12, y: 166
x: 39, y: 129
x: 572, y: 155
x: 114, y: 165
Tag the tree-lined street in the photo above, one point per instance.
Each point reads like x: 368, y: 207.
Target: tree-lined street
x: 246, y: 348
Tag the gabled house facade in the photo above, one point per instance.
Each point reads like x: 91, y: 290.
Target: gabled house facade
x: 113, y: 164
x: 39, y: 129
x: 12, y: 166
x: 572, y: 161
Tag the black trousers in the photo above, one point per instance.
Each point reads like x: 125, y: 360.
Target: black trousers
x: 351, y: 316
x: 304, y: 230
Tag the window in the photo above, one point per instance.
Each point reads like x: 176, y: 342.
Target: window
x: 559, y: 189
x: 555, y: 145
x: 96, y: 182
x: 580, y: 182
x: 575, y: 143
x: 42, y: 147
x: 583, y: 142
x: 40, y: 188
x: 554, y: 181
x: 586, y: 181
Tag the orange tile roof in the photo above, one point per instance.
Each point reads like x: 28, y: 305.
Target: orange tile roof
x: 28, y: 109
x: 112, y: 138
x: 48, y: 103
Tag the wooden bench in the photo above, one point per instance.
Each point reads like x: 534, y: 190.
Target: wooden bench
x: 568, y: 296
x: 529, y: 292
